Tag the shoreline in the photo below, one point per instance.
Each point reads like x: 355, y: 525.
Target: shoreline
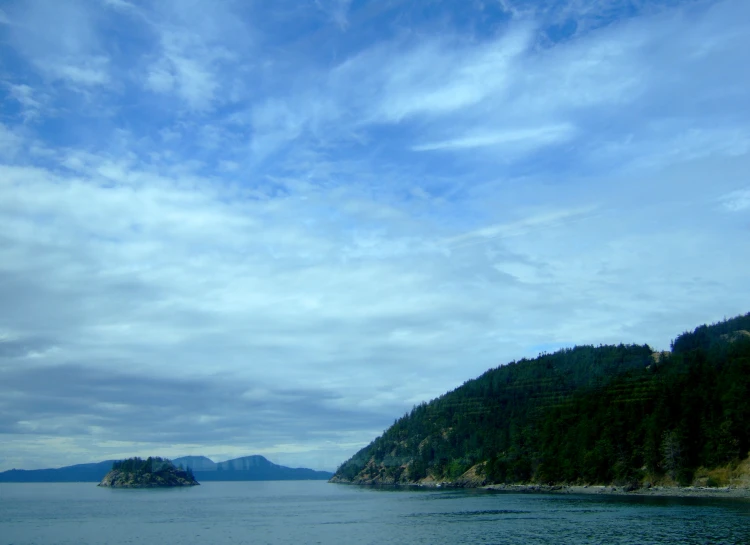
x: 729, y: 492
x: 655, y: 491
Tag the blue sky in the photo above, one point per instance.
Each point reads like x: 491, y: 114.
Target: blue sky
x: 233, y: 228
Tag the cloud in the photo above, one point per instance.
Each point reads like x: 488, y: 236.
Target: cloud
x: 32, y: 103
x: 401, y: 79
x: 197, y: 57
x: 114, y: 412
x: 29, y: 347
x: 10, y: 142
x: 470, y: 76
x: 262, y: 229
x: 61, y: 41
x: 548, y: 220
x: 337, y: 10
x: 186, y: 70
x: 504, y: 91
x: 737, y: 201
x: 520, y: 139
x: 80, y: 71
x: 121, y: 5
x: 274, y: 124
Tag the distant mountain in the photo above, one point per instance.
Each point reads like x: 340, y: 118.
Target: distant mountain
x: 247, y: 468
x: 607, y: 414
x: 196, y: 463
x: 69, y: 474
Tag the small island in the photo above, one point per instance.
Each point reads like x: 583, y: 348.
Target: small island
x: 153, y: 472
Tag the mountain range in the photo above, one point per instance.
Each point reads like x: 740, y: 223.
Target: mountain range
x: 246, y: 468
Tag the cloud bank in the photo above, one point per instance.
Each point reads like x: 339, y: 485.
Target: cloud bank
x: 230, y: 229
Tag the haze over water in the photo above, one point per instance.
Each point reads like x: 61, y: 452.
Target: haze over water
x: 317, y: 512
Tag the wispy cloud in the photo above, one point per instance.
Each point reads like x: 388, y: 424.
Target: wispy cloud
x: 737, y: 201
x: 84, y: 71
x: 61, y: 41
x: 186, y: 69
x: 545, y: 221
x: 508, y: 140
x: 31, y: 102
x: 10, y: 142
x: 200, y: 53
x: 337, y: 10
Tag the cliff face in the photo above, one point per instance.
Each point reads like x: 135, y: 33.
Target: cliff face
x: 163, y: 479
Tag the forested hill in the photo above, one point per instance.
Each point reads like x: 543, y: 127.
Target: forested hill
x: 586, y: 414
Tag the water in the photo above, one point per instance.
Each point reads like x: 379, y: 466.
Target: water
x: 317, y: 512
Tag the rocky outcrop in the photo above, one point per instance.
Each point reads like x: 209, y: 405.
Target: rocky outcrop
x: 473, y: 478
x: 736, y: 336
x: 166, y: 478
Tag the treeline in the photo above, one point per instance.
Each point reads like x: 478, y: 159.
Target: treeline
x: 152, y: 464
x: 586, y: 414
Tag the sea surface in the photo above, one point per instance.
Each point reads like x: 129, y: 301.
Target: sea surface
x: 298, y: 512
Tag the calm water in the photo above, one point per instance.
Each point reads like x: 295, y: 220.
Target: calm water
x: 317, y: 512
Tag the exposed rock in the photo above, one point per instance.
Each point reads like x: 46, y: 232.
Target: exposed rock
x: 658, y: 356
x: 473, y: 478
x: 736, y: 335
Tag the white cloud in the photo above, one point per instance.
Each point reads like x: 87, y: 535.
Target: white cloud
x: 80, y: 71
x: 511, y: 140
x: 11, y: 142
x: 198, y: 58
x: 438, y: 77
x: 121, y: 5
x: 538, y: 221
x: 61, y: 41
x: 160, y: 79
x: 28, y: 99
x: 191, y: 77
x: 737, y: 201
x: 274, y: 124
x: 337, y: 10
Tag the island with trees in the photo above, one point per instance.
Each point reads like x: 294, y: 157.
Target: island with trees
x: 622, y: 416
x: 153, y: 472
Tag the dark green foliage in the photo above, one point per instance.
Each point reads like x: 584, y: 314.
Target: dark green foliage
x: 705, y: 337
x: 587, y: 414
x: 139, y: 466
x: 153, y: 472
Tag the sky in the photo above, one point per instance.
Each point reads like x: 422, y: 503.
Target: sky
x: 245, y: 227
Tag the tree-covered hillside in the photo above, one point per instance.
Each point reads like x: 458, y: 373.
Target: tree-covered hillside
x: 586, y: 414
x: 151, y: 465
